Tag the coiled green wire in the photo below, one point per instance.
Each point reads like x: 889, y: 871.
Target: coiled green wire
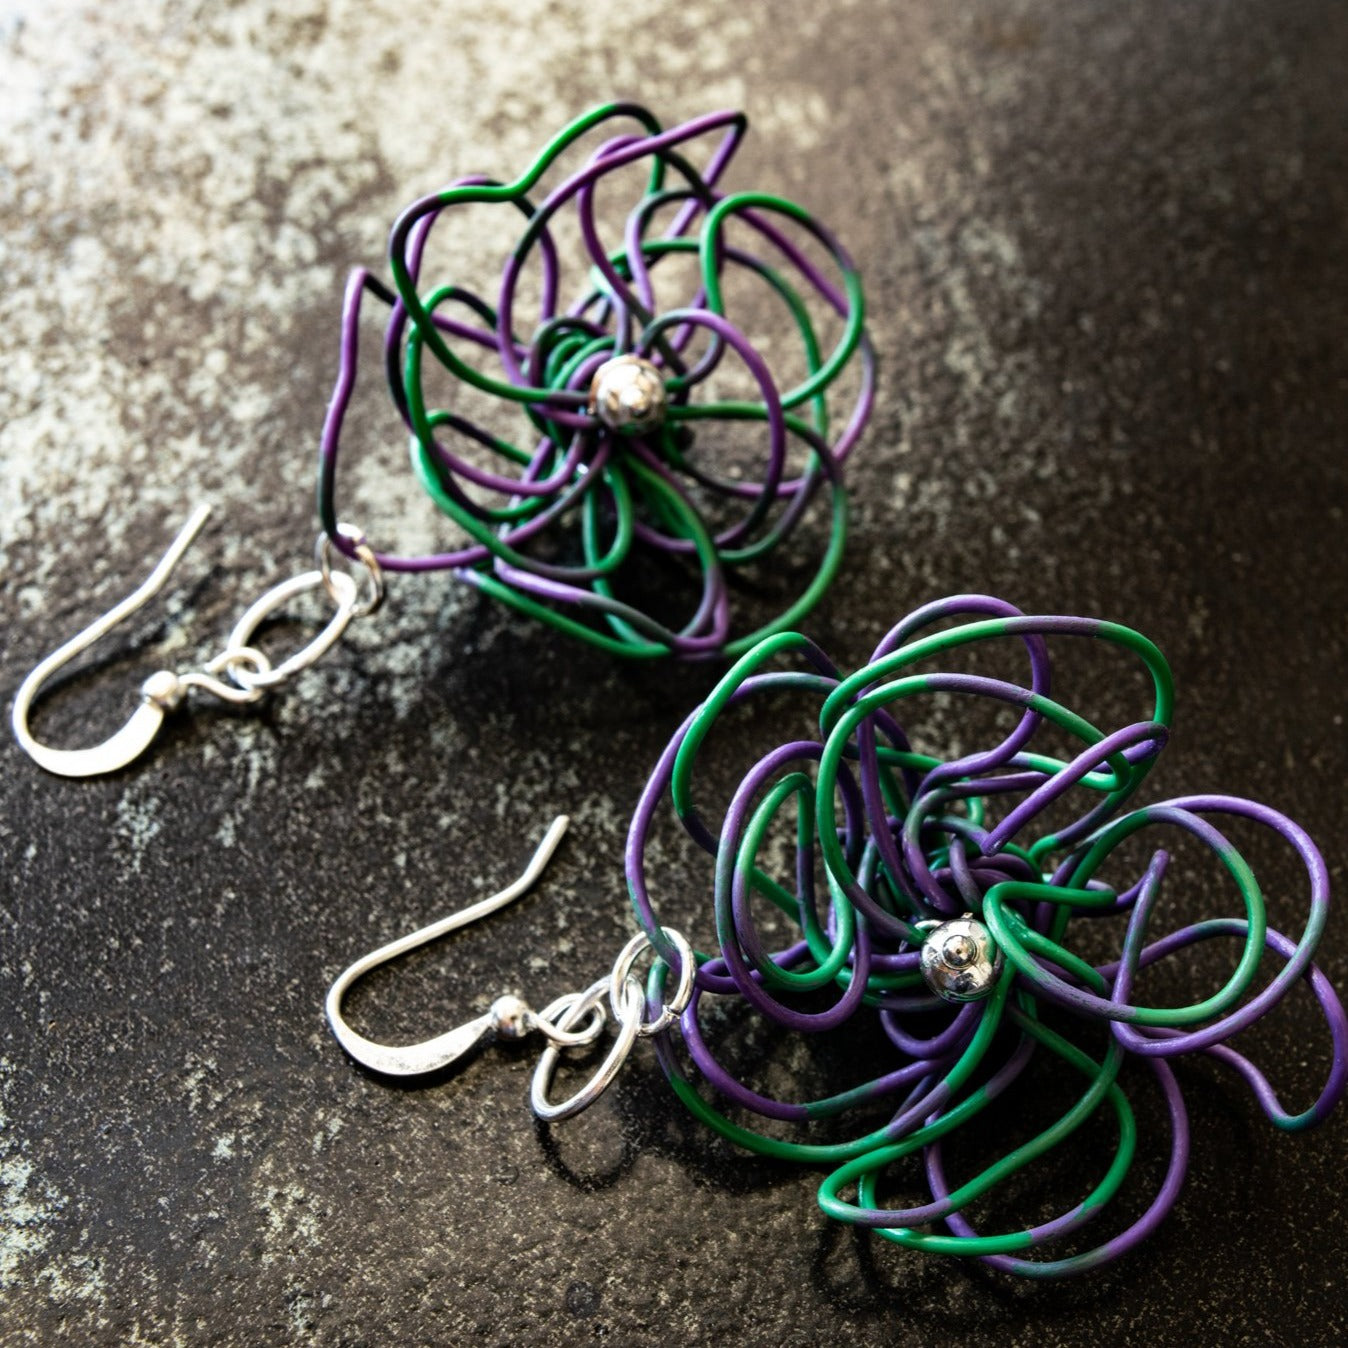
x: 607, y: 502
x: 907, y: 838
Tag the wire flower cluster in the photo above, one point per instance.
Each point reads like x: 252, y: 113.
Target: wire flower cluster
x: 905, y: 840
x: 619, y: 472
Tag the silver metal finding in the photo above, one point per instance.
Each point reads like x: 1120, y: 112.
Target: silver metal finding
x: 622, y: 968
x: 629, y: 1009
x: 576, y: 1018
x: 629, y: 1026
x: 960, y: 961
x: 339, y: 585
x: 238, y: 674
x: 628, y: 395
x: 509, y: 1017
x: 131, y: 740
x: 374, y: 573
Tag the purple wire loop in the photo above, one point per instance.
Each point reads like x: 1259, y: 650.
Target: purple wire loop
x: 563, y: 522
x: 1018, y: 833
x: 1120, y: 1244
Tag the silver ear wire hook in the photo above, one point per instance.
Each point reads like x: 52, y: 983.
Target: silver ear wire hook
x: 133, y: 738
x: 250, y: 673
x: 573, y: 1019
x: 506, y: 1016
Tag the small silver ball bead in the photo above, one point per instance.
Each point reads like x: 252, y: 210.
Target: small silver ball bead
x: 165, y: 689
x: 628, y: 395
x: 512, y: 1018
x: 960, y: 961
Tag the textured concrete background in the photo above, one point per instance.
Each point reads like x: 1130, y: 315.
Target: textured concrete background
x: 1106, y: 248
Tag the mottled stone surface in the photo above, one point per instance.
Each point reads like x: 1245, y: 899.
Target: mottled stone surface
x: 1107, y: 253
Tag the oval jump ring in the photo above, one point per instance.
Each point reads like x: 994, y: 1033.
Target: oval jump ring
x: 629, y: 1023
x: 339, y: 583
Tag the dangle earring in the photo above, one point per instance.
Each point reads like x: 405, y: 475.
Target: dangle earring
x: 937, y: 900
x: 952, y: 930
x: 617, y: 374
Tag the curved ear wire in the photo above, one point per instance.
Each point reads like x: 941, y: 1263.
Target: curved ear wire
x: 249, y: 674
x: 159, y: 693
x: 433, y: 1054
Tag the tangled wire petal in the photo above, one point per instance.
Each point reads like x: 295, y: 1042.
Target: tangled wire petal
x: 1038, y: 844
x: 624, y: 468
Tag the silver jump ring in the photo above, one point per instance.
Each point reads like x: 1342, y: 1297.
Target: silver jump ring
x: 629, y: 1024
x: 671, y: 1010
x: 365, y: 555
x: 342, y: 586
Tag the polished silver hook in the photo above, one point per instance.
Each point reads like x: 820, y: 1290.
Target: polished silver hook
x: 573, y: 1019
x: 249, y: 673
x: 508, y: 1016
x: 133, y: 738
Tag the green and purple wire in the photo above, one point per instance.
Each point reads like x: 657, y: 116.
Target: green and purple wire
x: 562, y: 516
x: 570, y: 510
x: 906, y: 837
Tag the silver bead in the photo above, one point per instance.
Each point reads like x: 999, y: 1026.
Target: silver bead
x: 628, y: 395
x: 512, y: 1018
x: 960, y: 960
x: 165, y: 689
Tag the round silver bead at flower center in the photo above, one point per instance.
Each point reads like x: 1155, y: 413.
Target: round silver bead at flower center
x: 628, y: 395
x: 960, y: 961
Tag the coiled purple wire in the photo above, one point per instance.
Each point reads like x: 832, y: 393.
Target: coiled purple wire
x: 647, y: 487
x: 939, y: 837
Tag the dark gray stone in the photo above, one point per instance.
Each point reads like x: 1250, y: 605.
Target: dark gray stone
x: 1106, y: 250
